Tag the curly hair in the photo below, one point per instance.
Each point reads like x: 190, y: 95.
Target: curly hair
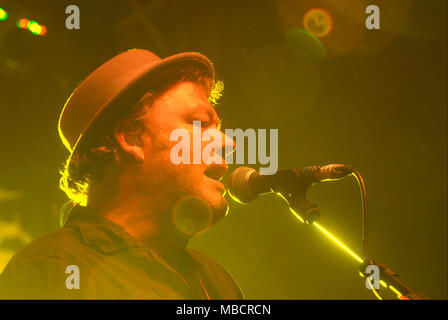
x: 97, y: 162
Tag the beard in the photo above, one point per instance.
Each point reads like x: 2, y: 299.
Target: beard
x: 183, y: 192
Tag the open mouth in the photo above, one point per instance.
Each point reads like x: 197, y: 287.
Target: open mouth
x: 216, y: 171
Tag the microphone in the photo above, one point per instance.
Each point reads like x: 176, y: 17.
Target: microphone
x: 246, y: 184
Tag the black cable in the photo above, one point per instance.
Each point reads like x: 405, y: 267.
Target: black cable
x: 362, y: 187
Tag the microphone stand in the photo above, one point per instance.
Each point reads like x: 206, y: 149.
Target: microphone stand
x: 287, y: 185
x: 390, y: 280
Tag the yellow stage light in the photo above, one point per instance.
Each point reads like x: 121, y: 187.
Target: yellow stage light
x: 297, y: 215
x: 373, y: 290
x: 338, y: 242
x: 398, y: 293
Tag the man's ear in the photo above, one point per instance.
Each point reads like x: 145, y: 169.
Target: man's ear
x: 130, y: 143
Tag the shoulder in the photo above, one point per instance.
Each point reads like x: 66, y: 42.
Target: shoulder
x: 205, y: 260
x: 41, y: 265
x: 221, y: 278
x: 57, y: 245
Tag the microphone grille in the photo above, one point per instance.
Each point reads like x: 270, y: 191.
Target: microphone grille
x: 238, y: 185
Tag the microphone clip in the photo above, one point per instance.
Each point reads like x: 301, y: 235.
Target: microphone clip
x: 291, y: 187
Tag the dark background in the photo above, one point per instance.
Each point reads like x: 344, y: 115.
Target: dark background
x: 376, y: 101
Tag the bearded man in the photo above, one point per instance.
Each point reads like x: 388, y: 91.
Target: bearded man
x: 133, y: 210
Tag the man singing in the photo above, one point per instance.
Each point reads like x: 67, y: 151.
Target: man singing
x: 134, y: 209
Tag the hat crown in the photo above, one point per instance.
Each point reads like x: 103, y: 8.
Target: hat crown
x: 98, y: 89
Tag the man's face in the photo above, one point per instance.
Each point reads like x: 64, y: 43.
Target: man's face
x: 159, y: 177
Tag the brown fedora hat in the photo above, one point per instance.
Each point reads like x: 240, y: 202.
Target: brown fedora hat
x: 115, y: 86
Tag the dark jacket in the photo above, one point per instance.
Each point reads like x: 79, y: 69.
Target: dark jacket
x: 112, y: 265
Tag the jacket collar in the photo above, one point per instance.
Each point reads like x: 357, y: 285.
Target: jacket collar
x: 99, y: 232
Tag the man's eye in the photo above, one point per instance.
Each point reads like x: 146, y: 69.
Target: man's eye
x: 205, y: 124
x: 201, y: 122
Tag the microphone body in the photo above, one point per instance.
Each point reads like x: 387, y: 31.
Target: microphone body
x: 246, y: 184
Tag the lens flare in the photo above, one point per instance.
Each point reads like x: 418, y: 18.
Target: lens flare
x: 318, y: 22
x: 3, y: 14
x: 305, y: 44
x: 191, y: 216
x: 43, y: 30
x: 23, y: 23
x: 34, y: 27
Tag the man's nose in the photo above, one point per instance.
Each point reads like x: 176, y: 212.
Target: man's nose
x: 223, y: 146
x: 229, y: 145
